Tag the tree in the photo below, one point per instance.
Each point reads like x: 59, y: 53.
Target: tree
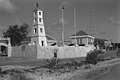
x: 118, y: 51
x: 17, y: 33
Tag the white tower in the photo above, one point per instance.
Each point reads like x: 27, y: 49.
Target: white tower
x: 38, y: 30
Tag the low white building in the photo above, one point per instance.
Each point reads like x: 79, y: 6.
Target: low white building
x: 5, y: 46
x: 83, y: 38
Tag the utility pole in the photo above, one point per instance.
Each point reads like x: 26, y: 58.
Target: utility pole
x: 75, y: 26
x: 62, y: 10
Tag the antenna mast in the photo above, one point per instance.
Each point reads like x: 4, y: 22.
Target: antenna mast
x: 62, y: 10
x: 75, y: 26
x: 91, y: 18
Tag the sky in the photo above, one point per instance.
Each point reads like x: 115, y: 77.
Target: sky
x: 106, y: 16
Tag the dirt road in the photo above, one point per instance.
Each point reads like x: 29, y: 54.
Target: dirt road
x: 113, y: 74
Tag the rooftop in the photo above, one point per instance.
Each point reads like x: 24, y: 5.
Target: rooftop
x: 80, y: 33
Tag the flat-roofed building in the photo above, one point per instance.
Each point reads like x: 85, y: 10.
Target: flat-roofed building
x: 82, y: 37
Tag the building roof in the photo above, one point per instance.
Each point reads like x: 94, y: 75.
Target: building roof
x: 80, y: 33
x: 28, y: 39
x: 37, y: 10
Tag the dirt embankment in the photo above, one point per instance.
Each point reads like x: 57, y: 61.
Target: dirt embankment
x: 66, y: 73
x: 101, y: 71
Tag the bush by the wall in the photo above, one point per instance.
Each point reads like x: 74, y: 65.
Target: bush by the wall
x: 118, y: 53
x: 92, y: 57
x: 52, y: 63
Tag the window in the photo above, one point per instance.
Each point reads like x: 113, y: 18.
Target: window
x: 41, y: 30
x: 35, y: 19
x: 80, y: 41
x: 39, y: 19
x: 35, y: 30
x: 39, y: 13
x: 42, y: 42
x: 35, y: 13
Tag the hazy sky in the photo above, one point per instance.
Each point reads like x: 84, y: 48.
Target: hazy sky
x: 106, y: 15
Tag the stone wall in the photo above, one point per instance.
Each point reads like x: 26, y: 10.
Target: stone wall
x: 47, y: 52
x: 24, y: 51
x: 71, y: 52
x: 63, y: 52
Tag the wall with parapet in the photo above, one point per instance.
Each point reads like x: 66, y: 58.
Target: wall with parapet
x: 72, y: 52
x: 63, y: 52
x: 24, y: 51
x: 47, y: 52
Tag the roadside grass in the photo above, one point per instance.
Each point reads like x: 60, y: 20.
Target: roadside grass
x: 68, y: 70
x: 62, y: 70
x: 57, y: 71
x: 96, y: 71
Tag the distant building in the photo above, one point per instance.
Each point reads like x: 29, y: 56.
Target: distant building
x: 39, y: 36
x: 82, y: 37
x: 108, y: 44
x: 5, y: 46
x: 103, y: 44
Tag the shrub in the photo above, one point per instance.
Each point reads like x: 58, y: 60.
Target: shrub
x: 118, y: 53
x: 93, y: 56
x: 99, y: 52
x: 52, y: 63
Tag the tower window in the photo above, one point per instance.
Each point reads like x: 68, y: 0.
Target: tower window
x: 42, y: 42
x: 39, y: 19
x: 41, y: 30
x: 35, y: 13
x: 39, y: 13
x: 35, y: 19
x: 35, y: 30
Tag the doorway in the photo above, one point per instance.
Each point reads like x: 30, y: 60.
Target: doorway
x: 42, y: 42
x: 4, y: 50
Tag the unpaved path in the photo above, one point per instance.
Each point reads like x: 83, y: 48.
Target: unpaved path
x: 108, y: 71
x: 113, y: 74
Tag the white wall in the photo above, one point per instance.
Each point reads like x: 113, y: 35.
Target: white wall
x: 47, y: 52
x: 71, y: 52
x: 63, y: 52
